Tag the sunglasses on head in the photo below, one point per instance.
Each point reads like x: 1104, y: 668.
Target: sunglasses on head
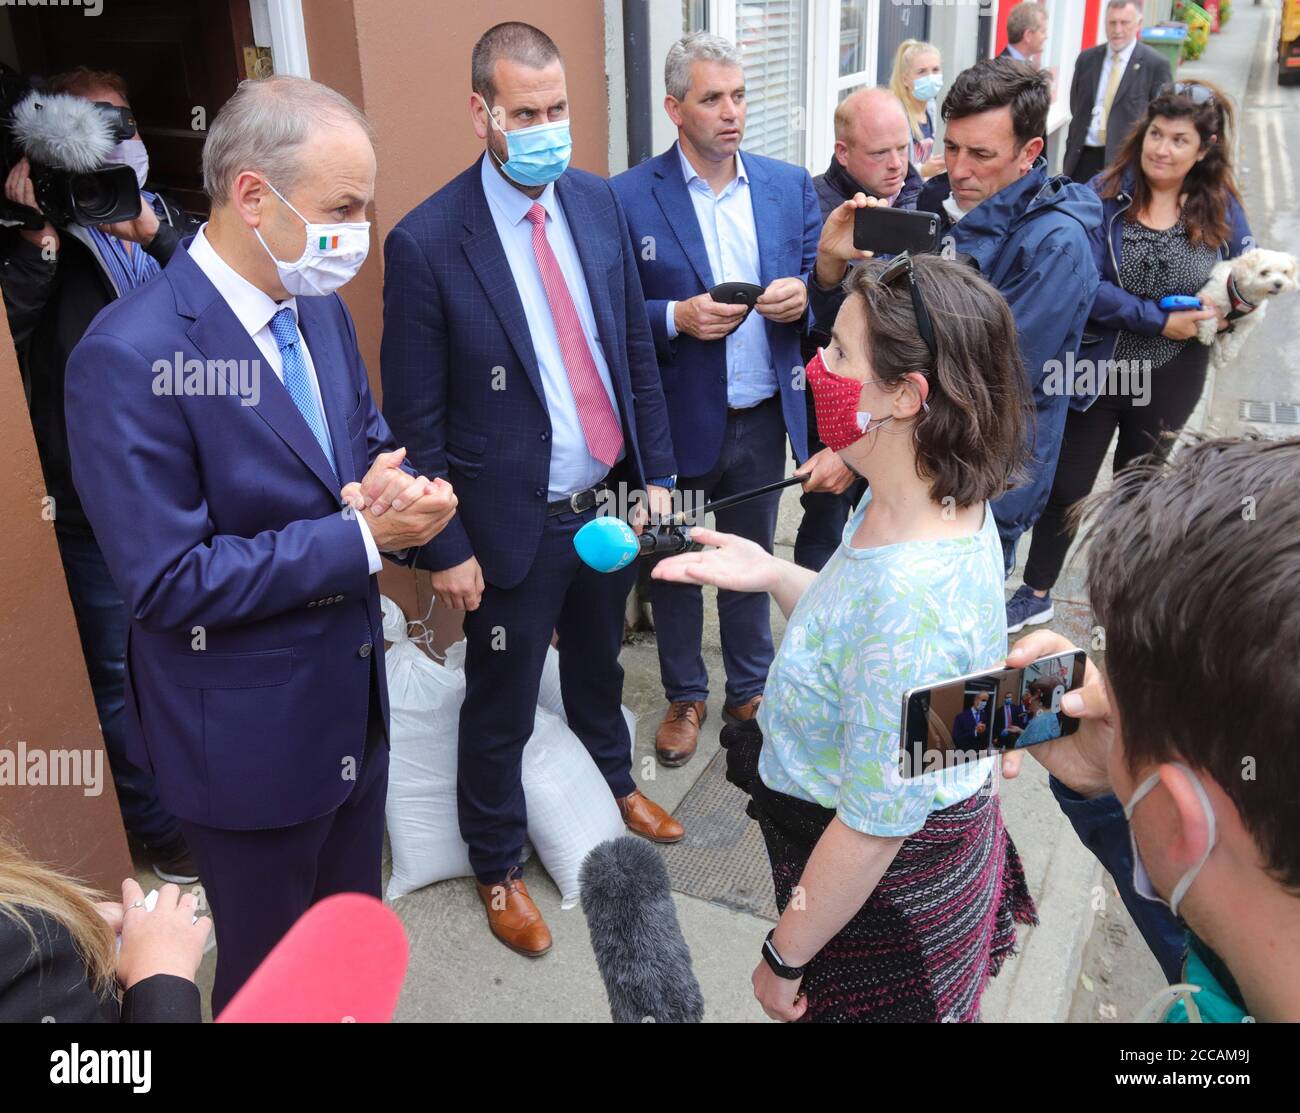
x: 1197, y: 94
x: 900, y: 267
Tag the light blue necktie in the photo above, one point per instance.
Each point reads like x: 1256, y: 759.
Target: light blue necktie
x: 284, y: 327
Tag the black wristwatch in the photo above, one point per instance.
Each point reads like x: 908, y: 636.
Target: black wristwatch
x: 773, y: 959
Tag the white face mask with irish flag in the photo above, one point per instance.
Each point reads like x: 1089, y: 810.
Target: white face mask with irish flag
x: 334, y: 253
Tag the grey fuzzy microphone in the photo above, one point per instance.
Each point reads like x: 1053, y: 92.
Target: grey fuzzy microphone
x: 63, y: 131
x: 642, y: 955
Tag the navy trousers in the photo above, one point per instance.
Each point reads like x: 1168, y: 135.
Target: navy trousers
x: 506, y: 642
x: 753, y: 454
x: 101, y: 624
x: 258, y: 883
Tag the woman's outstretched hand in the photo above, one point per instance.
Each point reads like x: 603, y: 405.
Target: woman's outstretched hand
x: 733, y: 563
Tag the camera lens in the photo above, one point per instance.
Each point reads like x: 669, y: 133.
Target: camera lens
x: 93, y: 197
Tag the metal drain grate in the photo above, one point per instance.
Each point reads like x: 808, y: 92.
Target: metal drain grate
x: 1272, y: 413
x: 723, y: 858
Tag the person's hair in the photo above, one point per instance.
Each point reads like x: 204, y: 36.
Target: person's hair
x: 1028, y: 16
x: 1208, y: 184
x: 698, y: 46
x: 1043, y: 689
x: 846, y: 116
x: 971, y: 442
x: 27, y: 887
x: 82, y: 80
x: 1193, y: 563
x: 1124, y: 4
x: 906, y: 53
x: 1001, y: 83
x: 266, y: 126
x: 517, y: 42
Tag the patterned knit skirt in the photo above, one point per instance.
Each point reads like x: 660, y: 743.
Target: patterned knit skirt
x: 937, y: 926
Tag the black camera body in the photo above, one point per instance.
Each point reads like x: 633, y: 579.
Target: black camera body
x: 72, y: 186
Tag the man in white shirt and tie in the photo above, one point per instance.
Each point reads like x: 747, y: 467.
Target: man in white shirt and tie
x: 1113, y: 84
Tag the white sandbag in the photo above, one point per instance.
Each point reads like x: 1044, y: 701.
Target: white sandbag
x: 570, y: 808
x: 550, y: 697
x: 424, y: 700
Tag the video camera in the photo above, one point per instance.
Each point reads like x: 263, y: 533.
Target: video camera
x: 65, y: 138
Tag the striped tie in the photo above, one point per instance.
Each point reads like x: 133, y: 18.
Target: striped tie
x: 284, y: 327
x: 599, y: 421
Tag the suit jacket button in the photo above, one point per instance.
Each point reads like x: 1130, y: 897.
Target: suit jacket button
x: 364, y: 651
x: 546, y: 436
x: 312, y: 603
x: 338, y: 599
x: 541, y: 494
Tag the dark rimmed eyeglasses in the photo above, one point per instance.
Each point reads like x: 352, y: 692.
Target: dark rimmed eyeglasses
x: 901, y: 267
x: 1197, y: 94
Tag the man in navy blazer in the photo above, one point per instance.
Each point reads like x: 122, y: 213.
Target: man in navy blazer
x: 225, y: 443
x: 517, y: 360
x: 700, y: 215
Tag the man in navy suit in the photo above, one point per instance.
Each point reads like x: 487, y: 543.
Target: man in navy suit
x: 242, y: 484
x: 970, y: 727
x: 700, y: 215
x: 517, y: 360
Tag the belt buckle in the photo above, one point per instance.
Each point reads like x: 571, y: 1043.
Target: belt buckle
x: 573, y: 501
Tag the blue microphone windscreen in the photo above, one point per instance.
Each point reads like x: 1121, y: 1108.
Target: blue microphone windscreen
x: 607, y: 544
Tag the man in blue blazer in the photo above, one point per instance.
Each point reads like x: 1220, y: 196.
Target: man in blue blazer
x: 225, y: 446
x: 700, y: 215
x: 517, y: 360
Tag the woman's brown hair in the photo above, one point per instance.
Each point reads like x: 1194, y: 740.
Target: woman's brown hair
x: 27, y: 887
x: 972, y: 440
x: 1208, y: 184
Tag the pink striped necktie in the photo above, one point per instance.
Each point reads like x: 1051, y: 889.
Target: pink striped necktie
x: 600, y: 423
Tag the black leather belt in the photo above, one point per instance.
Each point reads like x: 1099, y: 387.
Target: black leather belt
x: 732, y: 411
x: 577, y: 503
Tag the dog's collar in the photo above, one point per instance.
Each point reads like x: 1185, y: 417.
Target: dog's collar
x: 1240, y: 305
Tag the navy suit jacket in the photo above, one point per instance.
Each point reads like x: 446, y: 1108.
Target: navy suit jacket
x: 255, y: 631
x: 462, y: 386
x: 674, y: 266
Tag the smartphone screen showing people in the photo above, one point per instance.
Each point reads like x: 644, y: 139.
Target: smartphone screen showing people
x: 969, y: 717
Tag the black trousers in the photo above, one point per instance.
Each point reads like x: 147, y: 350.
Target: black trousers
x: 1175, y: 389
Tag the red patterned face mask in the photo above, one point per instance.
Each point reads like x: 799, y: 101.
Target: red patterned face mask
x: 835, y: 398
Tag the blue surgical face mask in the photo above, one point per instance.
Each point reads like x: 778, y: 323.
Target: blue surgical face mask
x: 536, y: 155
x: 927, y: 86
x: 1141, y: 879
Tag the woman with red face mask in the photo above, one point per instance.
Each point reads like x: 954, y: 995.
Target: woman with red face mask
x: 898, y: 896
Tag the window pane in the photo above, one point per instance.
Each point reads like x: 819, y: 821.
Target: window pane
x: 772, y: 40
x: 845, y: 92
x: 853, y: 36
x: 695, y: 15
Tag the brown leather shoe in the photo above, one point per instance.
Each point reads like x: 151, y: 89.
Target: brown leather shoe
x: 679, y: 732
x: 514, y: 918
x: 646, y: 818
x: 745, y: 712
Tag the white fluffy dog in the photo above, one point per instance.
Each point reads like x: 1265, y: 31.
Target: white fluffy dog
x: 1241, y: 285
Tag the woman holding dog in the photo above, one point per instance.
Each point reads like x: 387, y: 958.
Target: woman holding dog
x: 899, y: 896
x: 1171, y: 211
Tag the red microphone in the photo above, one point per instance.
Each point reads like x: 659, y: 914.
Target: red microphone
x: 344, y: 960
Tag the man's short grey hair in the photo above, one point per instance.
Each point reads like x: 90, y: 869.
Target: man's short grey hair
x: 266, y: 126
x: 698, y: 46
x: 1125, y: 4
x: 1023, y: 18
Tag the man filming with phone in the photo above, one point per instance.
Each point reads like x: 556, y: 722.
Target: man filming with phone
x: 1182, y: 777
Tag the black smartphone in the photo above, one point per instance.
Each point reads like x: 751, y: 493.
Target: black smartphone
x: 736, y: 293
x: 969, y: 717
x: 887, y: 231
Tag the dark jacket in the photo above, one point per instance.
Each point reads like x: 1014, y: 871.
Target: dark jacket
x: 49, y: 981
x: 1031, y: 241
x: 1115, y: 309
x: 1144, y: 76
x: 50, y: 306
x: 451, y: 312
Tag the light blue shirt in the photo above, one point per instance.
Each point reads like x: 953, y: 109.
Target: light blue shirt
x: 573, y: 468
x: 874, y: 624
x: 1016, y: 54
x: 726, y: 222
